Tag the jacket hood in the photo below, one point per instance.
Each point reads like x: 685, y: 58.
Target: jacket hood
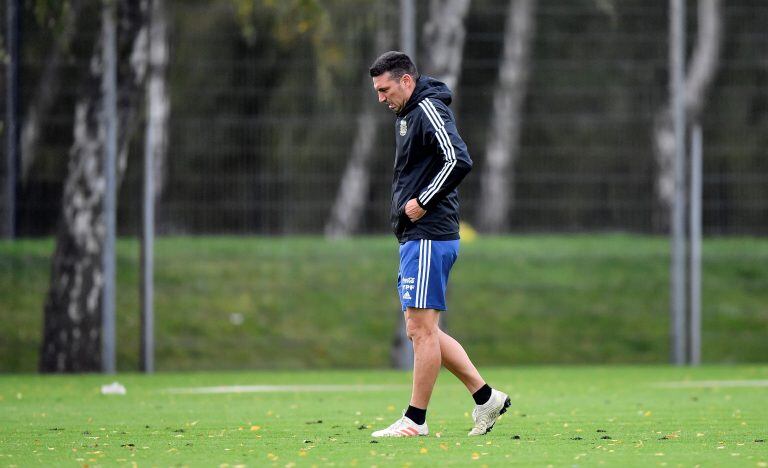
x: 427, y: 87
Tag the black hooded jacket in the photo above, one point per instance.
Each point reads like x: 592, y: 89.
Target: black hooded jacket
x: 431, y: 160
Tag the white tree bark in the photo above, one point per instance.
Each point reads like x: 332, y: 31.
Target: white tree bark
x: 497, y: 193
x: 701, y: 73
x: 352, y: 196
x: 158, y: 101
x: 72, y: 317
x: 444, y: 38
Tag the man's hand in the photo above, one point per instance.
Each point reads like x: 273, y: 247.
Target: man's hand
x: 414, y: 211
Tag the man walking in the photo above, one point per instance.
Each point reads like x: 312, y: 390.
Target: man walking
x: 431, y: 160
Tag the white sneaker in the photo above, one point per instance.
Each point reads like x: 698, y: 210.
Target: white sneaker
x: 485, y: 415
x: 403, y: 427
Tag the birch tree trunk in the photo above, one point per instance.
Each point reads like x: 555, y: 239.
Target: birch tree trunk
x: 348, y: 208
x: 701, y: 73
x: 444, y: 38
x: 158, y: 101
x: 47, y: 90
x: 443, y: 50
x: 72, y: 316
x: 497, y: 192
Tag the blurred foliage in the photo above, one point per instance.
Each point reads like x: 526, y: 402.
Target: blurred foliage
x: 50, y: 14
x: 293, y: 23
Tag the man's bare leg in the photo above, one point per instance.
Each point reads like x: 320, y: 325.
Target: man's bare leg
x: 490, y: 403
x: 456, y: 360
x: 421, y: 327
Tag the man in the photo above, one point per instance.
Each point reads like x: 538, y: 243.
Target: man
x: 431, y: 159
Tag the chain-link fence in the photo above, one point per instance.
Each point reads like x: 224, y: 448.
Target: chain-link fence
x: 265, y: 109
x: 262, y: 119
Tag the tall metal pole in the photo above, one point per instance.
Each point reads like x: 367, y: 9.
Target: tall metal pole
x: 403, y: 351
x: 694, y: 335
x: 158, y: 56
x: 147, y: 255
x: 408, y: 28
x: 677, y: 267
x: 13, y: 12
x: 109, y: 97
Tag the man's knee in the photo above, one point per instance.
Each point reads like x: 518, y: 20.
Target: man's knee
x: 418, y: 331
x: 421, y: 324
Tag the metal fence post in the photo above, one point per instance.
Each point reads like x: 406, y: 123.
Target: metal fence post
x: 403, y: 348
x: 109, y: 114
x: 677, y: 268
x: 694, y: 337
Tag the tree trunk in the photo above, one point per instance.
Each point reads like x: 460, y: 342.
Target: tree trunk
x: 348, y: 209
x: 72, y: 320
x: 701, y: 73
x: 158, y: 101
x: 444, y: 39
x: 47, y: 89
x: 444, y: 36
x: 496, y: 199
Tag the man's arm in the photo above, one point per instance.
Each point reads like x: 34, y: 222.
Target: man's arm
x: 456, y: 161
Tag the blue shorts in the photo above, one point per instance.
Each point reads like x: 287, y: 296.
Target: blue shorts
x: 423, y: 276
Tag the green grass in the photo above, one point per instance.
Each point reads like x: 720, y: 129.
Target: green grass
x: 561, y: 416
x: 307, y: 302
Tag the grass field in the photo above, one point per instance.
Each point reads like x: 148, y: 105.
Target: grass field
x: 561, y: 416
x: 294, y: 302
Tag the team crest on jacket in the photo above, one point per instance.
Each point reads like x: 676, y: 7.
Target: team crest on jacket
x: 403, y: 127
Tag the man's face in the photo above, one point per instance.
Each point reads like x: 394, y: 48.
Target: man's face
x: 395, y: 93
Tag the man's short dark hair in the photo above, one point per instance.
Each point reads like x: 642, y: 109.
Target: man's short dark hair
x: 394, y: 62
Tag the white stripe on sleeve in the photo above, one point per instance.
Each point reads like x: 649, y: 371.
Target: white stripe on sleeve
x: 445, y: 144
